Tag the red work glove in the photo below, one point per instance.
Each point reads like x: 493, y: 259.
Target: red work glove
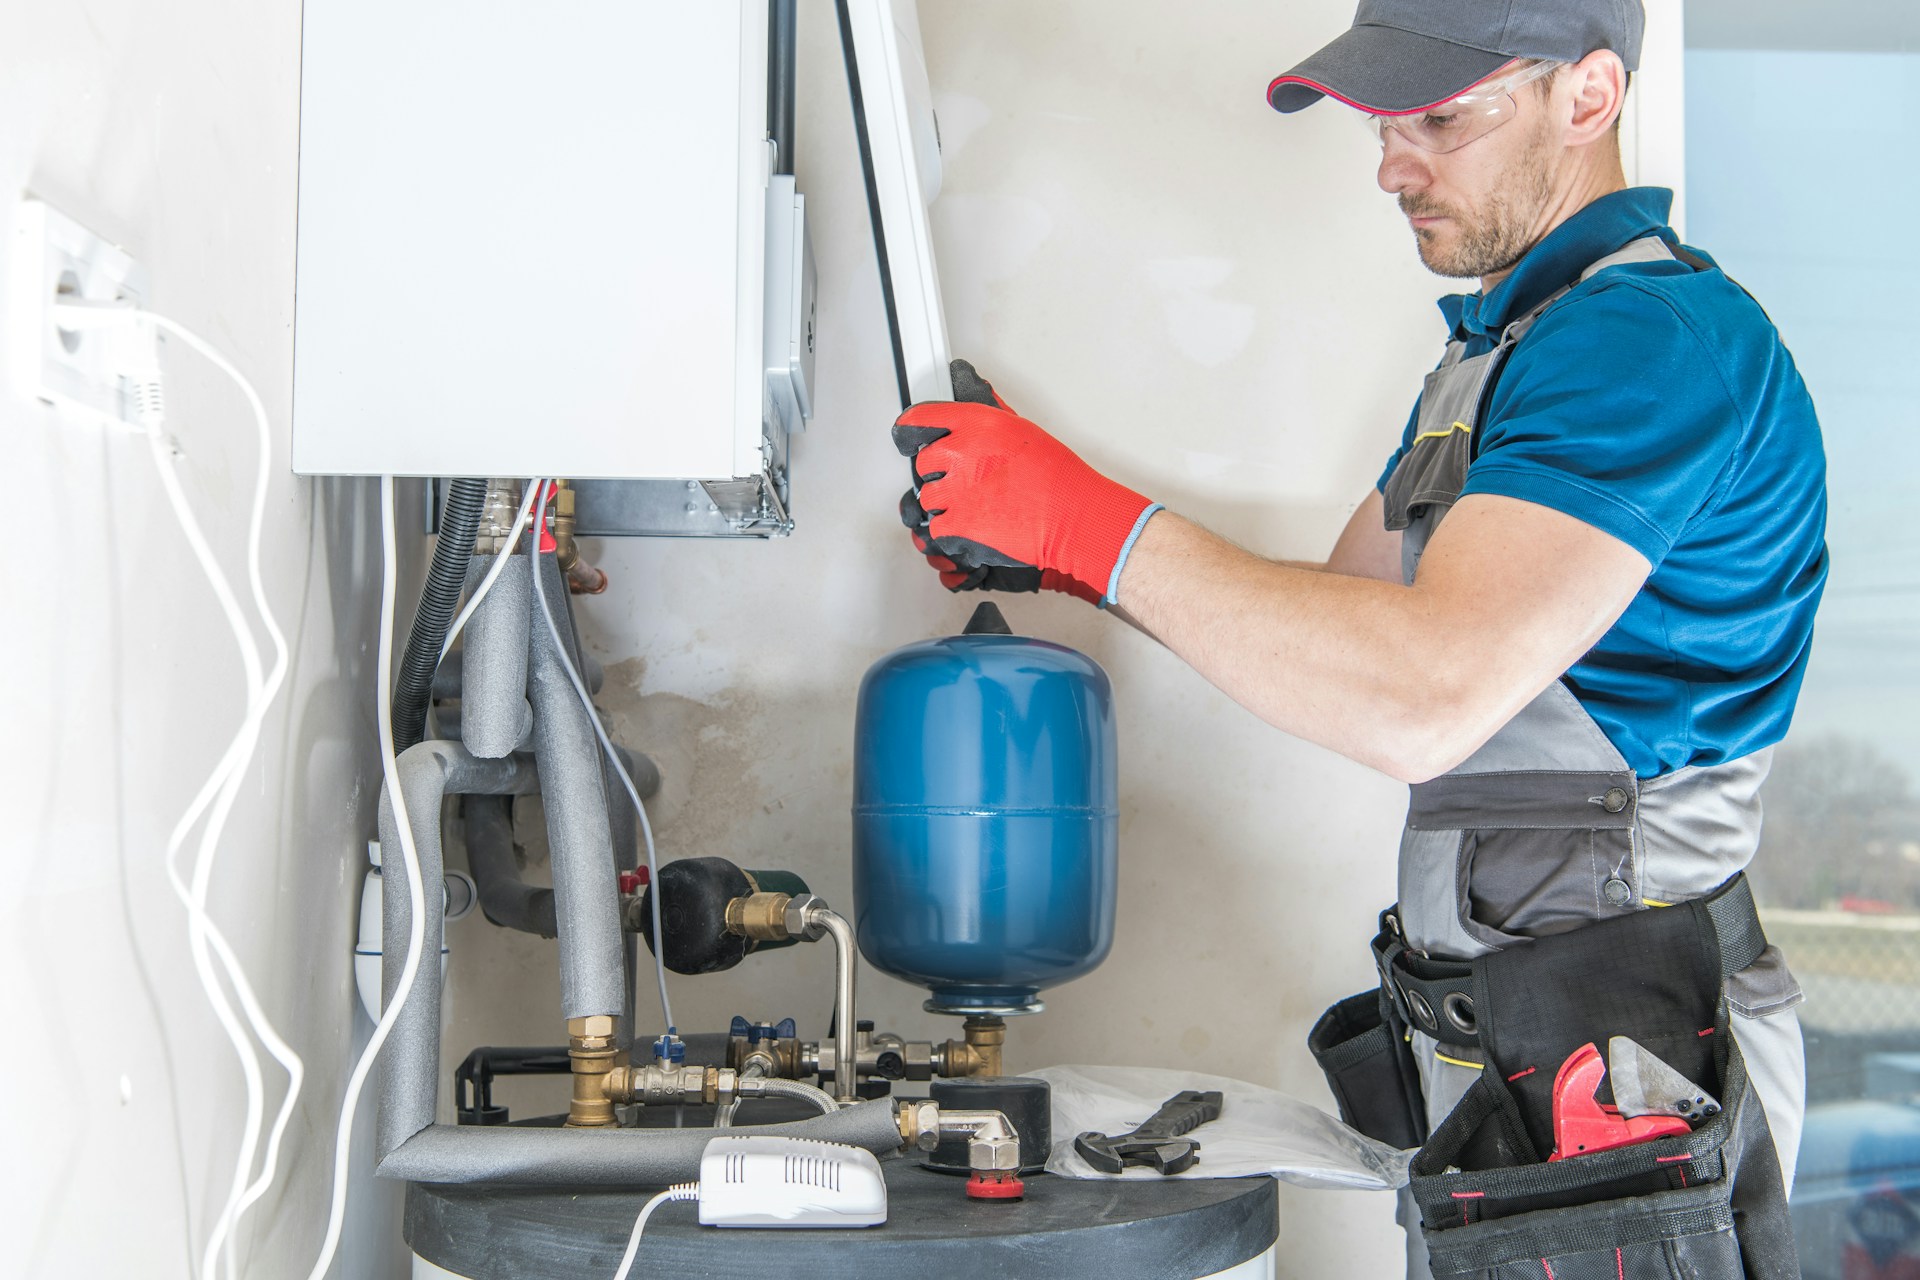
x: 1000, y: 505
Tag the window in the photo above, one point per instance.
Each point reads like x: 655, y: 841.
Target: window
x: 1802, y: 182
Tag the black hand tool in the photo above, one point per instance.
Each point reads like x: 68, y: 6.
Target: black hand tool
x: 1158, y: 1143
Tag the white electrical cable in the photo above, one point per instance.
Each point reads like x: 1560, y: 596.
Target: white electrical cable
x: 220, y: 791
x: 416, y: 917
x: 593, y: 717
x: 501, y: 558
x: 276, y: 675
x: 682, y: 1191
x: 139, y: 358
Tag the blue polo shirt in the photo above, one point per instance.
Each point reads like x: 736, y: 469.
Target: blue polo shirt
x: 1656, y: 403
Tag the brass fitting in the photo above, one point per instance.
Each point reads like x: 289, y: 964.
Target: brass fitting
x: 780, y: 1059
x: 561, y: 508
x: 593, y: 1056
x: 919, y: 1121
x: 985, y: 1036
x: 761, y: 917
x: 980, y: 1053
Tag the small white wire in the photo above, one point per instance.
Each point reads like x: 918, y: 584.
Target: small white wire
x: 221, y: 788
x: 683, y: 1191
x: 416, y: 915
x: 593, y: 717
x: 501, y: 558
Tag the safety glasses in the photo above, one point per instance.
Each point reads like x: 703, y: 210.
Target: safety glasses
x: 1467, y: 118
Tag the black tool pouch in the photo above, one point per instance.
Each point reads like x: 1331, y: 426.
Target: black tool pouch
x: 1707, y: 1205
x: 1361, y: 1045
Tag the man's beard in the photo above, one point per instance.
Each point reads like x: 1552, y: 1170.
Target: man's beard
x: 1494, y: 238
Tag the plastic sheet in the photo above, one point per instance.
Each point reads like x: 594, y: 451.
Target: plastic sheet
x: 1260, y: 1130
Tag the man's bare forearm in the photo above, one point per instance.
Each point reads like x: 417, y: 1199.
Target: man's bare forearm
x: 1310, y: 652
x: 1407, y: 679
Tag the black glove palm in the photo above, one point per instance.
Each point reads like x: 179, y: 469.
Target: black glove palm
x: 973, y: 567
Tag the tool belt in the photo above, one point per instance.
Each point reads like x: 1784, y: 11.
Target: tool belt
x: 1708, y: 1203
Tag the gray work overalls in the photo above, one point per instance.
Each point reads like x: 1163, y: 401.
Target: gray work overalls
x: 1544, y: 833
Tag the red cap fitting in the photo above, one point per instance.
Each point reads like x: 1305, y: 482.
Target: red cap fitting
x: 995, y: 1186
x: 633, y: 881
x: 547, y: 543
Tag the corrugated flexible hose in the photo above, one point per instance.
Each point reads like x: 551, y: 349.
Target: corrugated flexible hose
x: 439, y: 601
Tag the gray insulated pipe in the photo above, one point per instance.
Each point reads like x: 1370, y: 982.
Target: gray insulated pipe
x: 429, y: 773
x: 610, y: 1157
x: 586, y: 894
x: 495, y: 719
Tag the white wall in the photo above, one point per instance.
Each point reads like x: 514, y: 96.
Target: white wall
x: 1211, y: 302
x: 171, y: 128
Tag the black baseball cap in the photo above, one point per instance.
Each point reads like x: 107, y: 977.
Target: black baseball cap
x: 1403, y: 56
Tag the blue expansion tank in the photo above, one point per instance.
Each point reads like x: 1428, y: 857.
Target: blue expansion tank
x: 985, y: 822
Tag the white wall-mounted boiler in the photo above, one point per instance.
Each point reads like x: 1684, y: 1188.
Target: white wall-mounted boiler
x: 533, y: 240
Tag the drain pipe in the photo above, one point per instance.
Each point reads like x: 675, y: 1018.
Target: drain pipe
x: 505, y: 898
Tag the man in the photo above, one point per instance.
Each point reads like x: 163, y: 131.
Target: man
x: 1574, y: 613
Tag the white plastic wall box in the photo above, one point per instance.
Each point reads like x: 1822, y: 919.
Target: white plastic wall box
x: 531, y: 239
x: 55, y: 258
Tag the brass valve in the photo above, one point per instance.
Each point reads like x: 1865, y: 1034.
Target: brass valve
x: 497, y: 517
x: 660, y: 1084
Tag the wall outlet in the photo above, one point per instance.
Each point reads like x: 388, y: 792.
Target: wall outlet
x: 56, y: 259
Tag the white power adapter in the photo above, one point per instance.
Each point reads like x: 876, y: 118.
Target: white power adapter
x: 764, y: 1180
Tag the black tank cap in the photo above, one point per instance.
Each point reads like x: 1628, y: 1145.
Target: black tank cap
x: 987, y: 620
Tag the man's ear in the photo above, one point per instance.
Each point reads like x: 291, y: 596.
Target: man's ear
x: 1597, y: 85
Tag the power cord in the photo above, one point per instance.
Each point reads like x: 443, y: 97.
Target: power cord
x: 593, y: 718
x: 682, y: 1191
x: 132, y: 340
